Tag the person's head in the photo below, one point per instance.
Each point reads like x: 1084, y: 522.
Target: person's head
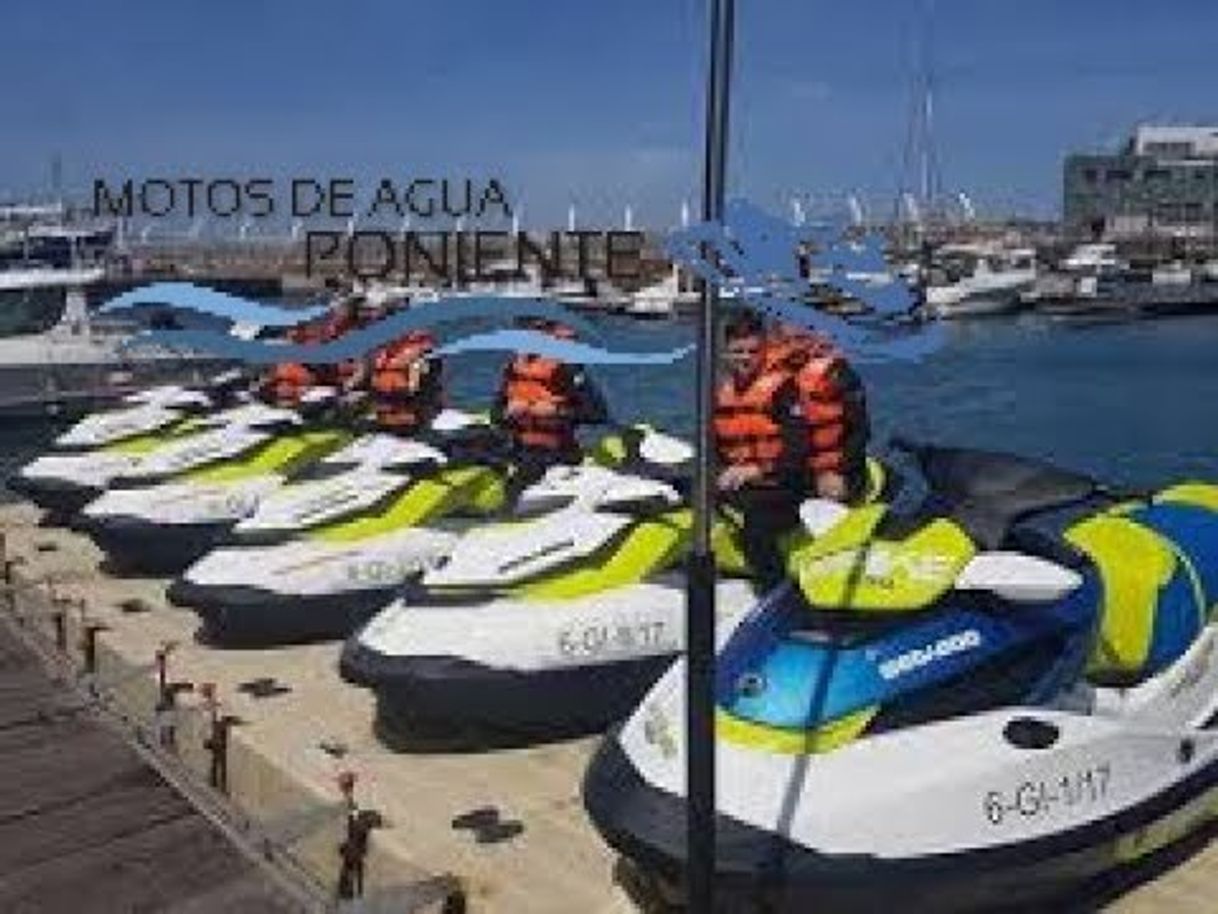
x: 744, y: 344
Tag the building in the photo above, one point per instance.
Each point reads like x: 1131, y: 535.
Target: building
x: 1163, y: 183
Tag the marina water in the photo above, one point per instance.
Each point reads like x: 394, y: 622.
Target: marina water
x: 1135, y: 403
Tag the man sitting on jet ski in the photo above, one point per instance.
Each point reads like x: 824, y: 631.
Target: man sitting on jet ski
x: 540, y: 403
x: 789, y: 419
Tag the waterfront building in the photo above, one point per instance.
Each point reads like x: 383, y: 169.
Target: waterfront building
x: 1162, y: 183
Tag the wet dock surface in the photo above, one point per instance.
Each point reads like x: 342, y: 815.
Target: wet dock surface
x: 86, y: 826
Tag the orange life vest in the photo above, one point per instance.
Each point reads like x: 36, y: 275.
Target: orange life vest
x: 397, y: 372
x: 835, y: 415
x: 529, y: 381
x: 289, y: 380
x: 746, y: 433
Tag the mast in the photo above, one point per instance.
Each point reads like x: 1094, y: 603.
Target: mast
x: 700, y: 595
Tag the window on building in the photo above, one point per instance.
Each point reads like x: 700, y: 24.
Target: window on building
x: 1090, y: 175
x: 1115, y: 175
x: 1168, y: 149
x: 1155, y: 174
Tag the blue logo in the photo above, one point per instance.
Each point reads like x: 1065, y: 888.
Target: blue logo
x: 752, y: 258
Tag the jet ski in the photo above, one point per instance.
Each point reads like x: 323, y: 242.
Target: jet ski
x: 556, y: 626
x: 89, y: 455
x: 1007, y: 690
x: 550, y: 626
x: 352, y: 553
x: 167, y: 507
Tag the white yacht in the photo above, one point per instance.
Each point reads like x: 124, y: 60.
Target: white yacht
x: 55, y: 352
x: 975, y: 279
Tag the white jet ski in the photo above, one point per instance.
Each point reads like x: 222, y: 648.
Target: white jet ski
x: 1007, y: 692
x: 85, y: 457
x: 547, y: 627
x: 352, y: 553
x: 165, y: 508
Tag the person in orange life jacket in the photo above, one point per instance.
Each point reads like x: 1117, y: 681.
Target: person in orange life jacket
x: 540, y: 403
x: 834, y: 406
x: 406, y: 387
x: 288, y: 381
x: 761, y: 444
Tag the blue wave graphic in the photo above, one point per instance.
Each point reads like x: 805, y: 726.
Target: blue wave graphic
x: 755, y: 264
x: 359, y: 343
x: 211, y: 301
x: 570, y: 351
x: 262, y: 352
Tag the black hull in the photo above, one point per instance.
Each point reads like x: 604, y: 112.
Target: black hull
x: 436, y: 694
x: 58, y: 497
x: 249, y: 616
x: 757, y: 870
x: 136, y: 546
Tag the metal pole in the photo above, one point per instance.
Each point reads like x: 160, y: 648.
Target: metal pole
x: 700, y: 597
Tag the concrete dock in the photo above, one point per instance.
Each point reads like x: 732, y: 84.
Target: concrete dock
x: 300, y: 729
x: 301, y: 732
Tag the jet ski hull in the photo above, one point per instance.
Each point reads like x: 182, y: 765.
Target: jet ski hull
x: 303, y: 590
x: 450, y: 692
x: 59, y: 497
x: 239, y: 615
x: 539, y: 668
x: 754, y: 866
x: 136, y: 545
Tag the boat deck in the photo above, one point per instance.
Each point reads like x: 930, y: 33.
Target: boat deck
x: 528, y: 846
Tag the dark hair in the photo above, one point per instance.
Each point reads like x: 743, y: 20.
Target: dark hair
x: 742, y: 322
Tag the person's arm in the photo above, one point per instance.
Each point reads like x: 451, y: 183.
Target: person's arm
x: 431, y: 380
x: 588, y: 403
x: 795, y: 444
x: 499, y: 406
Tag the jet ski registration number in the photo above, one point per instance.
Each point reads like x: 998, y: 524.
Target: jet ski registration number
x: 597, y: 640
x: 1034, y: 798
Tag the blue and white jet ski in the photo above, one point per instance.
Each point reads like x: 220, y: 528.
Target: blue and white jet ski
x: 1010, y: 690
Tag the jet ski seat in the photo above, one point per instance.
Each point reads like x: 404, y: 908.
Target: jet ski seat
x: 990, y: 495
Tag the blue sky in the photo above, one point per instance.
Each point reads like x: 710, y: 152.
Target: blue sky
x: 600, y: 102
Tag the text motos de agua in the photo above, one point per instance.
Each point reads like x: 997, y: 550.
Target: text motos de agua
x: 451, y: 255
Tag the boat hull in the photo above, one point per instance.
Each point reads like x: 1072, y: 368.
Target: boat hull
x: 753, y: 866
x: 239, y: 615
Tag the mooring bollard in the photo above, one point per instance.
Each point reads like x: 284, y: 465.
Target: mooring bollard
x: 354, y: 849
x: 59, y: 619
x: 167, y: 699
x: 217, y: 741
x: 88, y: 645
x: 6, y: 569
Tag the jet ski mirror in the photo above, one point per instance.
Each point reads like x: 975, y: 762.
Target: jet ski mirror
x: 318, y: 395
x: 455, y: 420
x: 820, y: 515
x: 1017, y: 577
x: 665, y: 450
